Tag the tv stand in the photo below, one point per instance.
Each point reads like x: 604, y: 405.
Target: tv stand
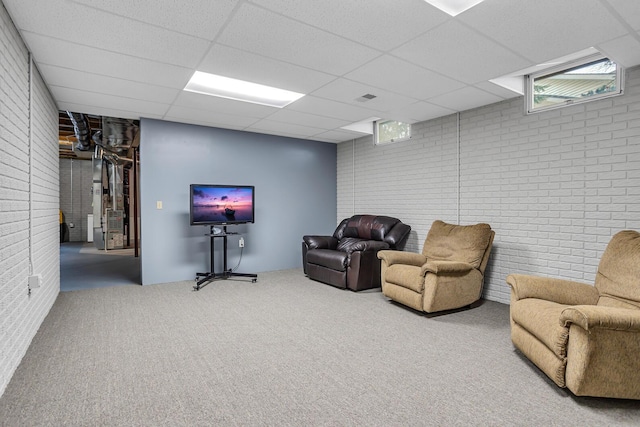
x: 203, y: 279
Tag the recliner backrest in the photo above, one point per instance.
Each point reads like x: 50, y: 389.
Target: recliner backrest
x: 374, y: 227
x: 618, y: 277
x: 451, y: 242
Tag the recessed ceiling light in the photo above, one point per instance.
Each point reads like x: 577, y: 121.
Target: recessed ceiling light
x: 454, y: 7
x: 240, y: 90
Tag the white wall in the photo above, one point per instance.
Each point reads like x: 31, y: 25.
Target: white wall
x: 29, y: 226
x: 555, y: 186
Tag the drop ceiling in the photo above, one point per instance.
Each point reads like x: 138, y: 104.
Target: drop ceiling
x: 132, y: 59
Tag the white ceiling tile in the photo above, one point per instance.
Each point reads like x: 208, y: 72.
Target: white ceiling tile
x: 304, y: 119
x: 399, y: 76
x: 262, y: 32
x: 238, y: 64
x: 629, y: 10
x: 104, y: 111
x: 347, y: 91
x: 97, y: 61
x: 91, y: 27
x: 290, y: 129
x: 327, y: 108
x: 624, y: 50
x: 215, y: 104
x: 199, y: 18
x: 74, y: 96
x: 456, y: 51
x: 64, y: 77
x: 337, y: 136
x: 380, y: 24
x: 418, y: 112
x: 497, y: 90
x: 114, y: 58
x: 544, y: 29
x: 278, y: 132
x: 192, y: 121
x: 465, y: 99
x: 207, y: 117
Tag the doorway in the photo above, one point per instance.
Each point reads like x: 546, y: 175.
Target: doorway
x: 99, y: 221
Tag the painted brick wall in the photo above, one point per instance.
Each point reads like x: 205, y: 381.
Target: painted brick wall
x: 403, y: 180
x: 555, y: 186
x: 75, y: 196
x: 28, y: 200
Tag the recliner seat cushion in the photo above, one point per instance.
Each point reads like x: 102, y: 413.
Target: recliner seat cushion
x: 541, y: 319
x: 329, y: 258
x: 406, y: 276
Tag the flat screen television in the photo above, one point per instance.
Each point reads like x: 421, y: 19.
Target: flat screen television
x: 221, y: 204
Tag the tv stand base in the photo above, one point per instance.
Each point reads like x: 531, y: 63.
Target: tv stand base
x: 203, y: 279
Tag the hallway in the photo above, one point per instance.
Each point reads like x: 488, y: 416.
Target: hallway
x: 82, y: 266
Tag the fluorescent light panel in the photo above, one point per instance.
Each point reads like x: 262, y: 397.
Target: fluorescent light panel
x: 454, y: 7
x: 240, y: 90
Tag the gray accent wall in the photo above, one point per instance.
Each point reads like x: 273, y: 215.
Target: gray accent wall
x: 295, y: 182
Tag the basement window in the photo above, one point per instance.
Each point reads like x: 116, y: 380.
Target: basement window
x: 388, y: 131
x: 580, y: 81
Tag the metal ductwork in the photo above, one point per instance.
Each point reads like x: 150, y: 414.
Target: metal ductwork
x: 97, y: 138
x: 81, y: 129
x: 113, y: 161
x: 112, y: 145
x: 81, y: 133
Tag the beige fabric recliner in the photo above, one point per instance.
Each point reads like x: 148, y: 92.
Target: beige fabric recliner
x: 585, y: 338
x: 448, y: 274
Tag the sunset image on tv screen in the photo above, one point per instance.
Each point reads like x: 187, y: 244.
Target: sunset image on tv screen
x: 211, y: 204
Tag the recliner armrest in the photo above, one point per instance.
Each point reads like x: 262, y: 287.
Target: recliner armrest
x: 444, y: 267
x: 399, y: 257
x: 350, y: 245
x: 596, y: 316
x: 398, y: 236
x: 557, y: 290
x: 320, y: 242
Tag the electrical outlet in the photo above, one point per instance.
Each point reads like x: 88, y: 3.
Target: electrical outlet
x: 241, y: 242
x: 35, y: 281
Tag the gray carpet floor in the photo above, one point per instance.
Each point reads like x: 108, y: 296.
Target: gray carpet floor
x: 285, y: 351
x: 82, y: 266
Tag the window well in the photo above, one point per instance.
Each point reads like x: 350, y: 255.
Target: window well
x: 387, y: 131
x: 576, y: 82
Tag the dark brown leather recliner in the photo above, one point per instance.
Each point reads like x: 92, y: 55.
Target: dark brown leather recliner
x: 348, y: 258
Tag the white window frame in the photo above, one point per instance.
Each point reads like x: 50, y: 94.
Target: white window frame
x: 376, y: 133
x: 566, y: 67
